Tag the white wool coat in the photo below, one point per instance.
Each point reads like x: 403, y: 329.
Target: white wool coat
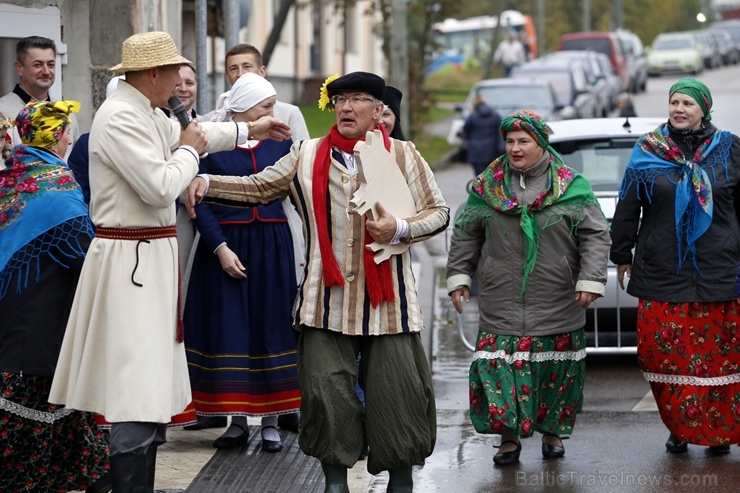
x: 120, y: 357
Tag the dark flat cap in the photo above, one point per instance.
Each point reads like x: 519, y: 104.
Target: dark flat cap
x: 358, y: 81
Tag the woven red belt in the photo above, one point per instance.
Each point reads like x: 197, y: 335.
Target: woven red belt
x: 143, y: 234
x: 136, y: 234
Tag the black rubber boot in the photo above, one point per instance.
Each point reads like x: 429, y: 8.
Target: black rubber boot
x: 401, y: 480
x: 289, y: 422
x: 335, y: 477
x: 129, y: 473
x: 102, y: 485
x: 151, y: 467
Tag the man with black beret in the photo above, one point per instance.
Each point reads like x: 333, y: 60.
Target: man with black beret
x: 346, y: 303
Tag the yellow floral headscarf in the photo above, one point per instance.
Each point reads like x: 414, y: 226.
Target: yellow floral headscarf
x: 42, y: 123
x: 5, y: 123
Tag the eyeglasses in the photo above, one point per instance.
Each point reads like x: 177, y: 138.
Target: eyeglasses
x: 339, y: 100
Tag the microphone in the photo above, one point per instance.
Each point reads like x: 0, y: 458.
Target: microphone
x: 182, y: 115
x: 179, y: 110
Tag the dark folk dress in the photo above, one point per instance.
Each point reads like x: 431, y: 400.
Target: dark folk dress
x: 44, y: 448
x: 240, y: 343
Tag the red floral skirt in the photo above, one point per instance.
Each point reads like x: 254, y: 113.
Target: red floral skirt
x: 689, y: 353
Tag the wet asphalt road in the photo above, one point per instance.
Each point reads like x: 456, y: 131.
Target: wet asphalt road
x: 618, y: 441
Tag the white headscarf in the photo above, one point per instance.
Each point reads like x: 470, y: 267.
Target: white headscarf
x: 249, y: 90
x: 113, y: 84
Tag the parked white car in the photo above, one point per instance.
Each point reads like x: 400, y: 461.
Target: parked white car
x: 600, y: 149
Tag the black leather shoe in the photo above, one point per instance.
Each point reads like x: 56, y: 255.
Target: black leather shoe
x: 719, y: 449
x: 205, y: 422
x: 289, y: 422
x: 231, y: 442
x: 552, y: 451
x: 507, y: 458
x: 676, y: 446
x: 271, y: 446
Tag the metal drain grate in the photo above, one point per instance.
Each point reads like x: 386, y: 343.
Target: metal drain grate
x: 247, y: 469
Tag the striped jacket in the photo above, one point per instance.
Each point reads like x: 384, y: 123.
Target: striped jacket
x: 347, y: 308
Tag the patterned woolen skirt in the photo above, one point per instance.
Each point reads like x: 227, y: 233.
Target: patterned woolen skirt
x: 527, y: 383
x: 45, y: 448
x: 240, y: 343
x: 689, y: 353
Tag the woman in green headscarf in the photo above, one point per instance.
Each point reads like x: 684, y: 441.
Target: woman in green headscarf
x: 534, y: 235
x: 678, y: 211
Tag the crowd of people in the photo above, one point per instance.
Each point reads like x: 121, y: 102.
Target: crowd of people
x: 160, y: 320
x: 202, y: 269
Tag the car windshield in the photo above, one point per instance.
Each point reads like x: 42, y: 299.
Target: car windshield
x: 559, y: 80
x: 516, y: 97
x: 672, y: 44
x: 602, y: 162
x: 602, y: 45
x: 563, y: 88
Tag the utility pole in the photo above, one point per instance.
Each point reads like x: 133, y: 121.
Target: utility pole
x: 586, y: 15
x: 541, y: 27
x: 231, y: 23
x: 618, y: 14
x: 201, y: 36
x: 399, y: 56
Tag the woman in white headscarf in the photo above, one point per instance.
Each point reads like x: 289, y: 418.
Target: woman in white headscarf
x: 240, y: 343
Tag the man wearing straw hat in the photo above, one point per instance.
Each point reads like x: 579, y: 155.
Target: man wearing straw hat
x: 122, y: 355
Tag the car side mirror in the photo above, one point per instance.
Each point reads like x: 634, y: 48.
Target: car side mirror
x: 459, y: 108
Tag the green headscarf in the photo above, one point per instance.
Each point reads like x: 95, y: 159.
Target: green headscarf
x: 532, y: 123
x: 698, y: 91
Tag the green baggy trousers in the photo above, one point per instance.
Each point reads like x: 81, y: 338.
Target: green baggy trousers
x: 399, y: 421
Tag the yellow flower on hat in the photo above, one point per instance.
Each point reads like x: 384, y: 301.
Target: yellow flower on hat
x: 324, y: 101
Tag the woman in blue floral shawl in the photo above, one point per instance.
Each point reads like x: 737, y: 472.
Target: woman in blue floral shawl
x: 534, y: 235
x: 678, y: 210
x: 44, y: 233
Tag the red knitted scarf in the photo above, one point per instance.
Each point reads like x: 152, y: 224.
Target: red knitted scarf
x: 378, y: 278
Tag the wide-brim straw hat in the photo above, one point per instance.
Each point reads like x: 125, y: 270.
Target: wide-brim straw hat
x: 148, y: 50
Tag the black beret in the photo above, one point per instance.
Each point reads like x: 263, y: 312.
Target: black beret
x: 392, y: 99
x: 358, y: 81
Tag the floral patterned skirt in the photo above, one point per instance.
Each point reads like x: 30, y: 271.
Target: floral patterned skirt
x: 690, y: 354
x: 45, y: 448
x: 528, y: 383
